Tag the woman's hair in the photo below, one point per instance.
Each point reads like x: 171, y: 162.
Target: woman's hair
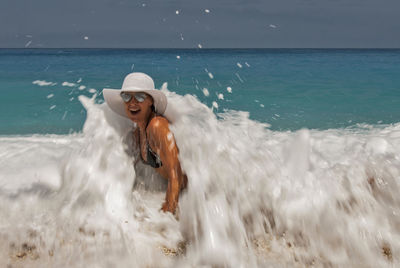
x: 153, y: 108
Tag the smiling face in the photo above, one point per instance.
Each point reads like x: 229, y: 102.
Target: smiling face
x: 137, y: 106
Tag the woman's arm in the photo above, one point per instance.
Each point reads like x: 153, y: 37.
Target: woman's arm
x: 162, y: 141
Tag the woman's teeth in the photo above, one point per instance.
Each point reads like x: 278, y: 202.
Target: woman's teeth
x: 134, y: 110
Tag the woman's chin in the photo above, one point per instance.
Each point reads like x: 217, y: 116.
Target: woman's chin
x: 136, y: 119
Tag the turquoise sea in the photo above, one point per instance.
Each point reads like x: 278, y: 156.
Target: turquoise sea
x: 287, y: 88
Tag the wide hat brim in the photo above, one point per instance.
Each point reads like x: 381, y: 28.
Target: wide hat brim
x: 115, y: 102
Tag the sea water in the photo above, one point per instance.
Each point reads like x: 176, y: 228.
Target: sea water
x: 288, y: 89
x: 292, y: 158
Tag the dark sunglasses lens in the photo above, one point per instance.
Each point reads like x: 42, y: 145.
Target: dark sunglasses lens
x: 125, y: 97
x: 140, y: 97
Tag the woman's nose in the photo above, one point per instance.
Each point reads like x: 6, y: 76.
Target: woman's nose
x: 133, y: 100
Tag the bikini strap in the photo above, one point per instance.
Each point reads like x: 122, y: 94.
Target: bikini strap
x: 152, y: 158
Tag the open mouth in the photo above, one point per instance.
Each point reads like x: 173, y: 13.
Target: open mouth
x: 134, y: 111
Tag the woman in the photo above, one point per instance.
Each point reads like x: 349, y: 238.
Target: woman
x: 148, y: 108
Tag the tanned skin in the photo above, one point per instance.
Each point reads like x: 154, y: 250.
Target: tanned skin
x: 153, y: 129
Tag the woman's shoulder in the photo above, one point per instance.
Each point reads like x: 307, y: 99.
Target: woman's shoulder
x: 158, y: 125
x: 157, y: 122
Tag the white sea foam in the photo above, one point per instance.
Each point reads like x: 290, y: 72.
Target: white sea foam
x: 255, y: 197
x: 238, y: 76
x: 64, y: 115
x: 215, y: 105
x: 43, y: 83
x: 68, y: 84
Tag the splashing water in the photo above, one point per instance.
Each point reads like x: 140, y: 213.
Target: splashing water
x: 255, y: 197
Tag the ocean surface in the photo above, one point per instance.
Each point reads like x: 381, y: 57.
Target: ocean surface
x: 289, y: 89
x: 292, y: 158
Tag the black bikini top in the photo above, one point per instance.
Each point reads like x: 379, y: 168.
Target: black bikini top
x: 153, y: 159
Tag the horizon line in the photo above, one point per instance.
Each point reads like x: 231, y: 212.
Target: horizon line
x: 208, y: 48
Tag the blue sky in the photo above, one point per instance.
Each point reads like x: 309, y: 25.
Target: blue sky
x: 229, y: 23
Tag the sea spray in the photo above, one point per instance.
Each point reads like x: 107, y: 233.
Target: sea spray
x: 308, y: 195
x: 101, y: 173
x: 255, y: 197
x: 90, y: 217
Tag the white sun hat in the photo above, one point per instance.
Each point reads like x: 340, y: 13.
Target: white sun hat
x: 135, y: 82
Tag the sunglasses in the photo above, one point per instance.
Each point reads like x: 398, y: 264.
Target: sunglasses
x: 126, y: 97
